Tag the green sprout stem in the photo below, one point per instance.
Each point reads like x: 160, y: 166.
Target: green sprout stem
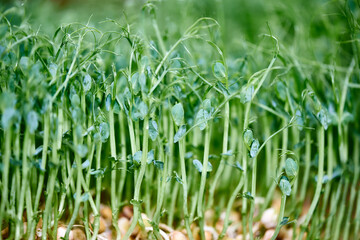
x: 321, y: 137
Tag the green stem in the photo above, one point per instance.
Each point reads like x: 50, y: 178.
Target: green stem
x: 42, y: 174
x: 114, y: 182
x: 253, y: 193
x: 98, y: 192
x: 307, y: 166
x: 321, y: 137
x: 123, y: 155
x: 200, y: 210
x: 185, y: 187
x: 24, y: 185
x: 139, y: 179
x: 245, y: 164
x: 353, y: 188
x: 340, y: 214
x: 78, y: 188
x: 280, y: 218
x: 50, y: 189
x: 222, y: 161
x: 5, y: 175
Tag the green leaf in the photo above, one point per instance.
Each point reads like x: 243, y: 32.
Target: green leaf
x: 254, y: 148
x: 139, y: 110
x: 24, y: 63
x: 178, y: 178
x: 142, y: 82
x: 85, y: 164
x: 248, y: 137
x: 324, y: 118
x: 238, y: 166
x: 177, y: 112
x: 285, y: 186
x: 284, y: 221
x: 198, y: 165
x: 248, y: 195
x: 8, y: 116
x: 150, y: 156
x: 246, y: 93
x: 135, y: 83
x: 219, y: 70
x: 180, y: 133
x: 347, y: 118
x: 137, y: 156
x: 104, y: 131
x: 159, y: 165
x: 87, y: 83
x: 81, y: 150
x: 223, y: 89
x: 228, y: 153
x: 53, y: 69
x: 201, y: 118
x: 153, y: 130
x: 108, y: 102
x: 32, y: 121
x: 291, y: 168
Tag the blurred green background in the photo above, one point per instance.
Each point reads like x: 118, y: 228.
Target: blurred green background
x: 316, y: 30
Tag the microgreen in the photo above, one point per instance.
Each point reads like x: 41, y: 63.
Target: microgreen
x: 177, y: 117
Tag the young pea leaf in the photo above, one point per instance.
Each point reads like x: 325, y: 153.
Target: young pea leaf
x: 281, y: 90
x: 189, y: 155
x: 180, y: 133
x: 85, y: 164
x: 178, y: 178
x: 117, y: 109
x: 198, y: 165
x: 285, y: 186
x: 246, y: 93
x: 104, y: 131
x: 98, y: 173
x: 299, y: 120
x: 32, y: 121
x: 291, y: 168
x: 8, y: 116
x: 323, y: 117
x: 159, y: 165
x: 248, y: 137
x: 135, y: 83
x: 177, y: 112
x: 137, y: 156
x: 24, y: 63
x: 248, y: 195
x: 254, y: 148
x: 83, y: 197
x: 347, y: 117
x: 86, y: 83
x: 53, y: 69
x: 219, y: 70
x: 209, y: 167
x: 139, y: 110
x: 238, y: 166
x: 108, y: 102
x: 223, y: 89
x: 142, y: 82
x: 201, y: 117
x: 153, y: 130
x: 75, y: 100
x: 81, y: 150
x: 228, y: 153
x: 150, y: 156
x: 284, y: 221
